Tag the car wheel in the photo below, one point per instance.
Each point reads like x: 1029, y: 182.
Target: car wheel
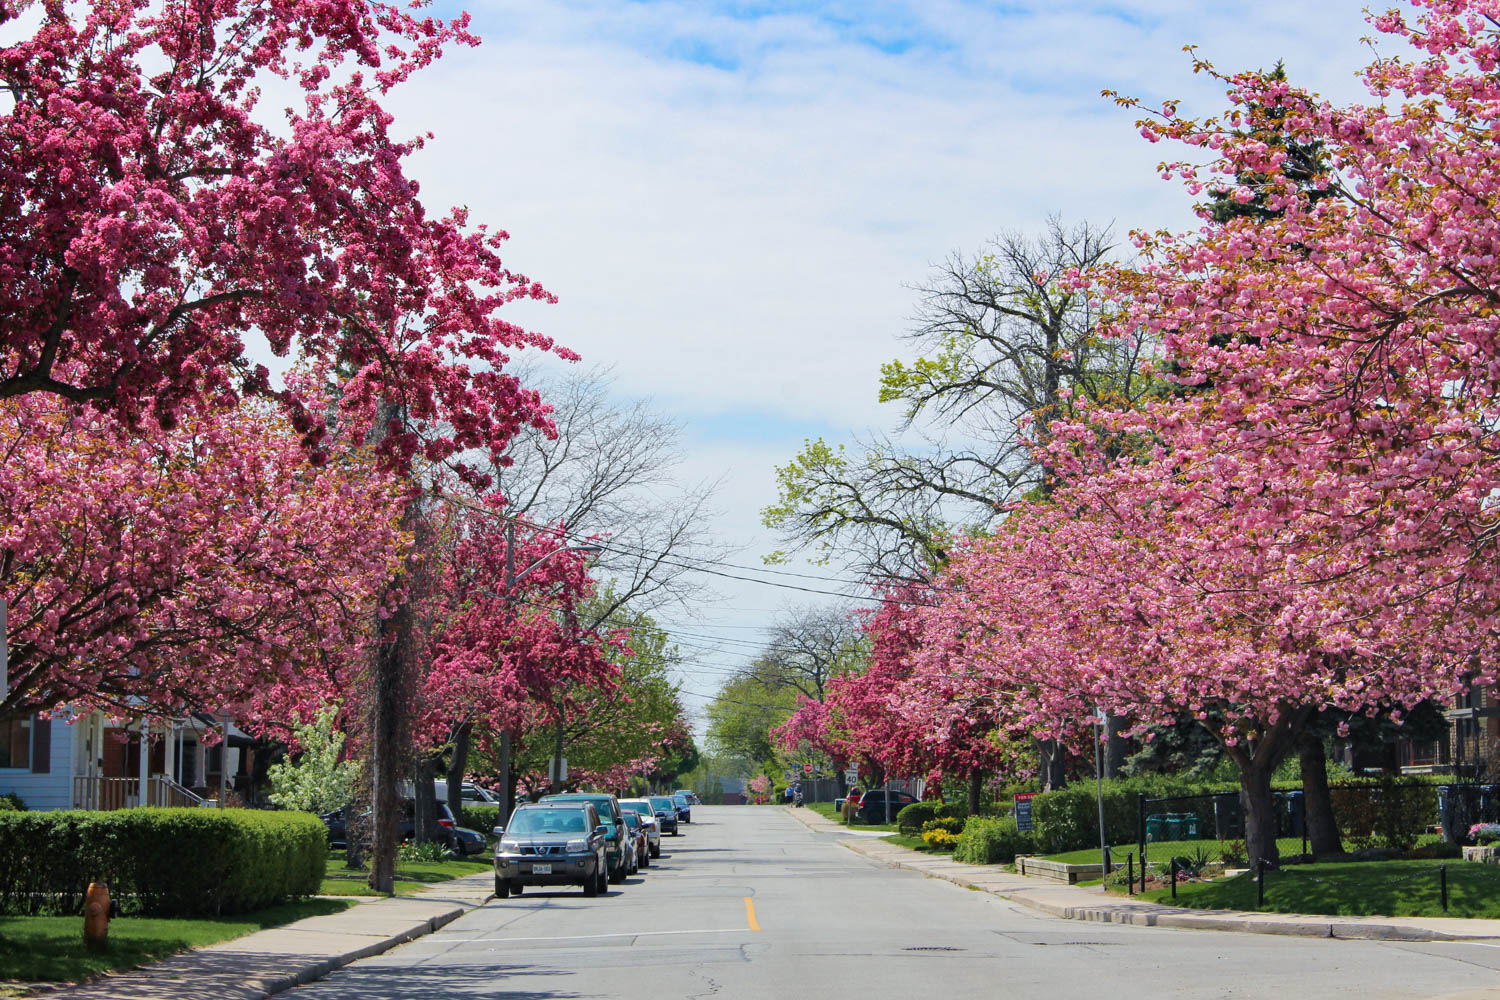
x: 502, y: 888
x: 591, y: 887
x: 618, y: 875
x: 516, y: 887
x: 656, y: 851
x: 646, y: 859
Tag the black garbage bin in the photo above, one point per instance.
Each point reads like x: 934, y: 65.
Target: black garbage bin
x: 1296, y: 814
x: 1229, y: 819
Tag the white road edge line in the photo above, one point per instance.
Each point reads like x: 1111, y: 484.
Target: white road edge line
x: 622, y: 934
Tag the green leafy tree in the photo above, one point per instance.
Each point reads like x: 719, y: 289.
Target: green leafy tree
x: 318, y: 780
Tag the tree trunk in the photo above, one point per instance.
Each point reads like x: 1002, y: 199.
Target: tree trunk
x: 458, y: 763
x: 425, y: 818
x: 976, y: 785
x: 386, y: 745
x: 1317, y: 801
x: 395, y: 649
x: 1115, y: 746
x: 1260, y: 814
x: 1052, y: 770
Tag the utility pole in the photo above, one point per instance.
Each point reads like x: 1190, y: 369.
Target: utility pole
x: 511, y: 579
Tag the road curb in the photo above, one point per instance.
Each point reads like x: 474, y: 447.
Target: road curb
x: 1155, y: 915
x: 316, y: 970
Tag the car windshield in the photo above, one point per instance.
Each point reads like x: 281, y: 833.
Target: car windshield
x: 664, y: 804
x: 548, y: 821
x: 681, y: 800
x: 632, y: 818
x: 605, y: 807
x: 646, y: 810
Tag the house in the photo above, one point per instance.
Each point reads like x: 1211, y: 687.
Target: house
x: 89, y: 761
x: 734, y: 791
x: 1469, y: 747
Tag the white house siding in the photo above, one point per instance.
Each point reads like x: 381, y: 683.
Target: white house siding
x: 54, y: 789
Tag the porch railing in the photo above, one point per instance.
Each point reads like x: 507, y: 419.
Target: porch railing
x: 125, y: 793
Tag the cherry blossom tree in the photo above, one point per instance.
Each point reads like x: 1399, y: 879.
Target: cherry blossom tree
x: 1315, y: 534
x: 156, y: 210
x: 182, y: 569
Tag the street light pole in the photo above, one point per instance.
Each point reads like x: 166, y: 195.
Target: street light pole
x: 511, y: 579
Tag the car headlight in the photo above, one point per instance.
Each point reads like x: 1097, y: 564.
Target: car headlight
x: 577, y: 846
x: 510, y: 846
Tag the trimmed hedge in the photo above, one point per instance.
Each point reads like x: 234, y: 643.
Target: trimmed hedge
x: 991, y: 840
x: 481, y: 818
x: 161, y: 862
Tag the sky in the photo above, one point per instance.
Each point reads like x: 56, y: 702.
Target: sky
x: 732, y: 198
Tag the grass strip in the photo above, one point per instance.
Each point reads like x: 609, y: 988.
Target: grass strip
x: 411, y: 876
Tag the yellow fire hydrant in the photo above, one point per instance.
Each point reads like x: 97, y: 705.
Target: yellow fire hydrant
x: 96, y: 917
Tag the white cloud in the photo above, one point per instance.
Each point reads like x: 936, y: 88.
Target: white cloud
x: 739, y: 240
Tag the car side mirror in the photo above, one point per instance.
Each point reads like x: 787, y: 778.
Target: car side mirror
x: 497, y: 831
x: 601, y: 830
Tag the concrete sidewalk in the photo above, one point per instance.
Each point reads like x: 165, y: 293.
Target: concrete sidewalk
x: 270, y: 961
x: 1091, y: 903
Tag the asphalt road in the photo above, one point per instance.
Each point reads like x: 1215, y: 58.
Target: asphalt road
x: 749, y: 903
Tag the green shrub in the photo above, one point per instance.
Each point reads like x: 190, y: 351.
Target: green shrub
x: 481, y: 818
x: 991, y: 840
x: 11, y: 802
x: 913, y: 818
x: 1386, y: 813
x: 166, y: 862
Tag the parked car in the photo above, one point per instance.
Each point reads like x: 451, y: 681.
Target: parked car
x: 640, y: 846
x: 872, y: 805
x: 470, y: 794
x: 608, y: 808
x: 469, y: 841
x: 683, y: 806
x: 552, y: 843
x: 666, y: 813
x: 690, y: 795
x: 458, y: 839
x: 650, y: 821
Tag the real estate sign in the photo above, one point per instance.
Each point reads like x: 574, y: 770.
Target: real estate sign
x: 1023, y: 810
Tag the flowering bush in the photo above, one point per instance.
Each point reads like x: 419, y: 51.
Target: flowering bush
x: 940, y: 839
x: 953, y: 824
x: 1485, y: 833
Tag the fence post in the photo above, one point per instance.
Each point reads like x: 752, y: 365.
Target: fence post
x: 1260, y: 883
x: 1172, y: 871
x: 1140, y: 828
x: 1443, y: 885
x: 1109, y: 863
x: 1130, y: 871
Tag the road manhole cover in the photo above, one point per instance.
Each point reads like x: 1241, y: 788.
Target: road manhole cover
x: 932, y: 947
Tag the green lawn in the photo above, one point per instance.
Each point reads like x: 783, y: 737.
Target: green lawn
x: 916, y: 843
x: 826, y: 809
x: 410, y: 875
x: 34, y: 949
x: 1388, y: 888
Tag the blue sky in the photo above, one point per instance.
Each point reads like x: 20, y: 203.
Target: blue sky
x: 732, y: 200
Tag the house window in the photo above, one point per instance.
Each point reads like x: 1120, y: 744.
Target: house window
x: 15, y: 741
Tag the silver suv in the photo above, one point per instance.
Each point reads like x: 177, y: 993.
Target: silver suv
x: 552, y: 844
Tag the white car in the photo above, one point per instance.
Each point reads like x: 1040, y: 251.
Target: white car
x: 471, y: 794
x: 643, y: 809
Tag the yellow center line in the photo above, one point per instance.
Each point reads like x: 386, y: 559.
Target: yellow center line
x: 750, y: 914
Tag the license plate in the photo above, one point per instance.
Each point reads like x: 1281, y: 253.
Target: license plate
x: 541, y: 869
